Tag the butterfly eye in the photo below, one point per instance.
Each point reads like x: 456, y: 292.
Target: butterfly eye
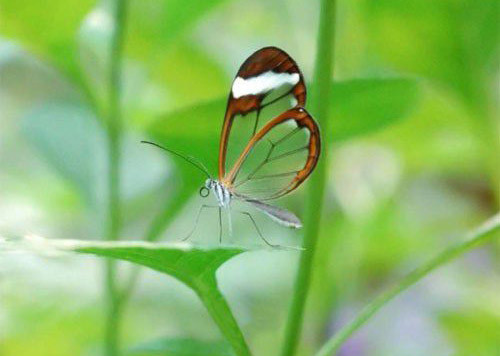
x: 204, y: 191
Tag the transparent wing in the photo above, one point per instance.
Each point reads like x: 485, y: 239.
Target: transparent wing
x: 277, y: 159
x: 267, y: 84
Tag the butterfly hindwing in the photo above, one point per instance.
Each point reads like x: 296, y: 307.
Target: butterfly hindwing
x: 278, y: 158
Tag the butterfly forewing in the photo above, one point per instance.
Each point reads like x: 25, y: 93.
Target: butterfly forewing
x: 269, y: 143
x: 267, y: 84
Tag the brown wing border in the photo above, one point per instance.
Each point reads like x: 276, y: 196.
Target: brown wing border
x: 263, y: 60
x: 303, y: 119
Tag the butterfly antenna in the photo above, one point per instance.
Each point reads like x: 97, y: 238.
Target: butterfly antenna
x: 189, y: 159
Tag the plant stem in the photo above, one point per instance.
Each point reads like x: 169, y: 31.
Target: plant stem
x: 219, y: 310
x: 320, y: 100
x: 114, y: 131
x: 480, y: 235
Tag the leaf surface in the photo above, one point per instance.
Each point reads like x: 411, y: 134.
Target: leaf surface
x: 194, y: 266
x: 360, y: 106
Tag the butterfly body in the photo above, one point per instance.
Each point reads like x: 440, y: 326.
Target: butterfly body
x: 224, y: 198
x: 222, y: 193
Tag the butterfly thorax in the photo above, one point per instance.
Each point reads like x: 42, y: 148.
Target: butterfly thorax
x: 221, y: 192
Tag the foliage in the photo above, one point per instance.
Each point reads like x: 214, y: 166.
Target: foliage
x: 410, y: 119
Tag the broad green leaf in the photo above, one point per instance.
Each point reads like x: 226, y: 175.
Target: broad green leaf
x: 362, y: 106
x: 182, y: 347
x: 194, y: 266
x: 359, y: 106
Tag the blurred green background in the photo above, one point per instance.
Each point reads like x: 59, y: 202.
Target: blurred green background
x: 414, y: 164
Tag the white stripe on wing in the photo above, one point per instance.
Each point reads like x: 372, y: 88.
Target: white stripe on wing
x: 262, y: 83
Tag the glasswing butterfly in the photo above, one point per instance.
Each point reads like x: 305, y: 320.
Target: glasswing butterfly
x: 269, y: 143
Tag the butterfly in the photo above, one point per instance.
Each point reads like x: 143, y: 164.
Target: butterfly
x: 269, y: 143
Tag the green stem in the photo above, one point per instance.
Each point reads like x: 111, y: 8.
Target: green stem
x: 480, y: 235
x: 322, y: 79
x: 114, y: 131
x: 113, y: 313
x: 220, y: 312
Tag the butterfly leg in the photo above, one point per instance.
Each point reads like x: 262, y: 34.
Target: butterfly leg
x: 229, y: 222
x: 220, y: 225
x: 198, y: 219
x: 257, y: 228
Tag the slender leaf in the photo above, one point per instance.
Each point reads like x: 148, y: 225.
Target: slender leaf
x: 486, y: 231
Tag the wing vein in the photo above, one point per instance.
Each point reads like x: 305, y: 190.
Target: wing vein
x: 286, y: 154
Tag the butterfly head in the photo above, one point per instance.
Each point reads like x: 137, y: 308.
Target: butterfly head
x: 222, y: 194
x: 209, y: 185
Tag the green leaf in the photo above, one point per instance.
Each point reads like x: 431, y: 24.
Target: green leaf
x: 363, y: 106
x: 194, y: 266
x: 359, y: 106
x: 182, y: 347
